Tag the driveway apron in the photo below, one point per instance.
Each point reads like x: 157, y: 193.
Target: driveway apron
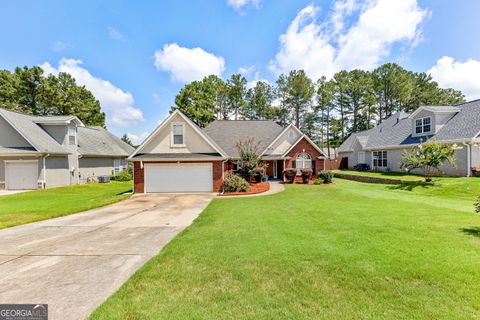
x: 74, y: 263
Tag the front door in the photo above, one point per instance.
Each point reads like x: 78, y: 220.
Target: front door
x: 275, y: 169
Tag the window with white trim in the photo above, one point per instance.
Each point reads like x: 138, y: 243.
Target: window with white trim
x: 116, y: 166
x: 72, y: 136
x: 380, y: 159
x: 423, y: 125
x: 303, y: 161
x: 178, y: 134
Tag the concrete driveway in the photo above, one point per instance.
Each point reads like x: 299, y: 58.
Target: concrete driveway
x: 74, y: 263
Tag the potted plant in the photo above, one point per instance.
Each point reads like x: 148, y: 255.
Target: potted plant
x: 259, y: 174
x: 265, y: 178
x: 306, y: 174
x: 290, y: 174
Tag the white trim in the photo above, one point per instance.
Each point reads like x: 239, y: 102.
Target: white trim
x: 165, y: 122
x: 309, y: 141
x: 362, y: 153
x: 432, y: 109
x: 278, y: 137
x: 208, y: 165
x: 172, y: 141
x: 17, y: 161
x: 292, y: 146
x: 422, y: 125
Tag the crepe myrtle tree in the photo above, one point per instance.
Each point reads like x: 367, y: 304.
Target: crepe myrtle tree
x: 428, y: 157
x: 249, y: 157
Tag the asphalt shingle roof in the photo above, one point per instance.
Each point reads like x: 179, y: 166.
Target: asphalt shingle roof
x: 91, y: 140
x: 96, y: 141
x: 226, y: 133
x: 397, y: 130
x: 34, y: 134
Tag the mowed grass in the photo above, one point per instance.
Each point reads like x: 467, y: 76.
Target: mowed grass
x: 39, y: 205
x: 447, y: 187
x: 344, y: 251
x: 380, y: 174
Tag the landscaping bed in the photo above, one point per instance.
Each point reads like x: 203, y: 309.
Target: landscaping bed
x: 254, y: 189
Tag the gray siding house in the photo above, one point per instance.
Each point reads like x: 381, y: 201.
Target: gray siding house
x: 44, y: 152
x: 382, y: 147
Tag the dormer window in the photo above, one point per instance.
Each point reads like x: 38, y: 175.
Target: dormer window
x: 72, y: 136
x: 178, y: 135
x: 423, y: 125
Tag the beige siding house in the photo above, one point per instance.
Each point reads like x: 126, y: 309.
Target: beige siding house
x: 381, y: 148
x: 44, y: 152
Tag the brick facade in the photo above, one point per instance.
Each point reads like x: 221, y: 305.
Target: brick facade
x: 304, y: 145
x: 139, y: 174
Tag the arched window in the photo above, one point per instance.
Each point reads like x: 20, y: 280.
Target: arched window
x: 303, y: 161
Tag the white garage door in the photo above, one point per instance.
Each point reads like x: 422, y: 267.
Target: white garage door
x: 183, y: 177
x: 21, y: 175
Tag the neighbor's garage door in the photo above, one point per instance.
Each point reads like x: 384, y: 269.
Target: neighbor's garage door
x: 183, y: 177
x: 21, y: 175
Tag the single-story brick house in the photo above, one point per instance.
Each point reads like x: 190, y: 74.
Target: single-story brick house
x: 381, y: 147
x: 179, y: 156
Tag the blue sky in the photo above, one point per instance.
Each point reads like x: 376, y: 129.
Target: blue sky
x: 136, y: 55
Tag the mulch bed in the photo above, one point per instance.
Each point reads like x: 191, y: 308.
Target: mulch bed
x: 254, y: 188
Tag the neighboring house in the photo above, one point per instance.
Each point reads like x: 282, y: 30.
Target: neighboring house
x: 43, y: 152
x: 382, y: 147
x: 181, y: 157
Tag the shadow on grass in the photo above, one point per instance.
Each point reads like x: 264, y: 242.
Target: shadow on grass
x: 473, y: 231
x: 410, y: 185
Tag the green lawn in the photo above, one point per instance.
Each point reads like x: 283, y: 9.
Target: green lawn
x: 393, y: 175
x: 348, y: 251
x: 39, y: 205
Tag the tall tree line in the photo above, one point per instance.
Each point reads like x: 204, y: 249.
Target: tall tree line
x: 30, y: 91
x: 328, y: 110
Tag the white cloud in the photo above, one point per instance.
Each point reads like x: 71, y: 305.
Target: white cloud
x: 137, y: 139
x: 116, y: 103
x: 59, y: 46
x: 246, y: 70
x: 239, y: 5
x: 114, y: 34
x: 186, y: 65
x: 327, y: 47
x: 458, y: 75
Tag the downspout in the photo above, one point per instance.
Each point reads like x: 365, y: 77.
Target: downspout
x: 79, y: 157
x: 469, y: 160
x: 45, y: 171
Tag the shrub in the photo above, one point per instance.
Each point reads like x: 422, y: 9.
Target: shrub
x: 318, y: 181
x: 290, y: 174
x: 306, y: 174
x: 428, y: 156
x: 326, y: 176
x: 477, y: 205
x: 235, y: 183
x: 122, y: 176
x: 249, y: 157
